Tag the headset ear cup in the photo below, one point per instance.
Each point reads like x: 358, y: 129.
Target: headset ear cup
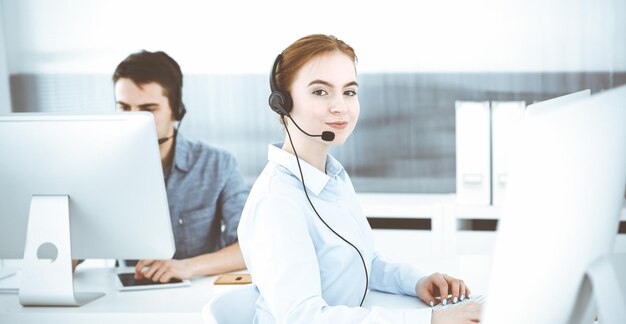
x: 180, y: 112
x: 280, y: 102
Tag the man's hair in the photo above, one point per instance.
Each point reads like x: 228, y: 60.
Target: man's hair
x: 145, y: 67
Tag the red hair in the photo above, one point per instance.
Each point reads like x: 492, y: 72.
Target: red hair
x: 302, y: 51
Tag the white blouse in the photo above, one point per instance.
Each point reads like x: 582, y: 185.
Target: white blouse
x: 303, y: 271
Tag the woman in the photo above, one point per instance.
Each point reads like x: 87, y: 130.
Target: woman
x: 310, y: 251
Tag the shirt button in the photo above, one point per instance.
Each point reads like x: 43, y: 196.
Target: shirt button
x: 180, y: 221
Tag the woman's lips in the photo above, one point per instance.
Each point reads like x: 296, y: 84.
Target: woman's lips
x: 338, y: 125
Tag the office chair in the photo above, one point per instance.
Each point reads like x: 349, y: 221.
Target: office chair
x: 232, y: 306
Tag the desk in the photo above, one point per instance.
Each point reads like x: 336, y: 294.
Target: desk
x: 184, y: 305
x: 172, y: 305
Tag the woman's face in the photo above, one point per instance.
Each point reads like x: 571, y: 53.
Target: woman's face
x: 324, y: 94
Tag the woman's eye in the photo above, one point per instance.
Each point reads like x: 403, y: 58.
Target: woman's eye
x: 320, y: 92
x: 350, y: 93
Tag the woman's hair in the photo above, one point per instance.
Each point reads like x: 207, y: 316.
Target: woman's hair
x: 302, y: 51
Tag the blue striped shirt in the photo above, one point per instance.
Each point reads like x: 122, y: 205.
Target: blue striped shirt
x: 206, y: 194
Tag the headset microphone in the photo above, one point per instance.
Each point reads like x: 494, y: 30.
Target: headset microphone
x: 326, y: 135
x: 180, y: 121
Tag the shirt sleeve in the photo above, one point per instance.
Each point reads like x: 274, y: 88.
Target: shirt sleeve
x: 231, y: 202
x: 283, y: 263
x: 393, y: 277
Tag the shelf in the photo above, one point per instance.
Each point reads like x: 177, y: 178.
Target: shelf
x: 403, y: 205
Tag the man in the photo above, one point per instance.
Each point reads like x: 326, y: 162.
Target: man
x: 205, y: 191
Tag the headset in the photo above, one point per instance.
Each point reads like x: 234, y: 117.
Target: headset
x: 279, y: 101
x: 178, y: 110
x: 282, y: 104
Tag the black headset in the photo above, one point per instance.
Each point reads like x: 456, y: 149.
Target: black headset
x: 281, y: 103
x: 179, y: 109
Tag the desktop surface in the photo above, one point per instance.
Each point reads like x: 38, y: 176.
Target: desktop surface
x: 172, y: 305
x: 185, y: 304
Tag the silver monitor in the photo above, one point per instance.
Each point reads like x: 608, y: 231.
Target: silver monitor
x: 561, y: 212
x: 92, y: 184
x: 554, y: 102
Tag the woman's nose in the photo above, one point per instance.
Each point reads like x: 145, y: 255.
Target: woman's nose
x: 338, y: 106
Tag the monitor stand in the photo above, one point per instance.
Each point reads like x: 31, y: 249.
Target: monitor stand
x: 47, y: 278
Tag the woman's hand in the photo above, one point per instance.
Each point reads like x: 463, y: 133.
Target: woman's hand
x: 443, y: 286
x: 468, y: 312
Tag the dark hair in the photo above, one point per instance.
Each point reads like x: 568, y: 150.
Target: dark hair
x: 303, y: 50
x: 145, y: 67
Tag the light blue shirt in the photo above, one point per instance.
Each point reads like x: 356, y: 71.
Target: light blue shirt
x: 304, y: 272
x: 206, y: 194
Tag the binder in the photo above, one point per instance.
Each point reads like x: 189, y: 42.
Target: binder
x: 473, y: 152
x: 505, y: 117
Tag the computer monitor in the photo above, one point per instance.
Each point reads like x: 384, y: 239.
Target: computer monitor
x: 92, y: 184
x: 561, y: 213
x: 554, y: 102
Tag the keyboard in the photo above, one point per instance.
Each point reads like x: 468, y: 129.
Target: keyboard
x: 475, y: 298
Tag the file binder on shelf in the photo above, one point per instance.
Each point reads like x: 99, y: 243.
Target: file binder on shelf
x: 505, y: 117
x: 473, y: 153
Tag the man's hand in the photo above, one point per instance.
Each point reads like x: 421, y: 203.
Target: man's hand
x: 163, y: 270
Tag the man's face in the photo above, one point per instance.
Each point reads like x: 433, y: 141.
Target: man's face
x: 147, y: 97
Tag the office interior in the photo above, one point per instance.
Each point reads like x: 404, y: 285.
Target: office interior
x: 418, y: 63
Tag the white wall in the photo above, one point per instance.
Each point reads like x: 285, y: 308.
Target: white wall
x: 51, y: 36
x: 5, y: 93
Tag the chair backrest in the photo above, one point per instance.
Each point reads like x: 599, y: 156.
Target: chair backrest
x: 233, y: 305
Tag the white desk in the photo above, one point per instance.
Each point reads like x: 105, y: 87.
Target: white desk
x: 184, y: 305
x: 172, y: 305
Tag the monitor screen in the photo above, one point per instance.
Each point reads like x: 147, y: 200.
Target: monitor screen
x: 561, y: 213
x: 104, y: 171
